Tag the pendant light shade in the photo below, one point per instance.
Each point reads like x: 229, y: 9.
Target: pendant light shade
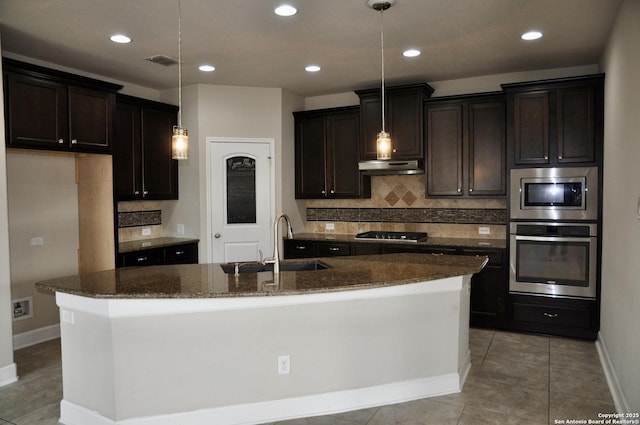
x: 383, y: 140
x: 180, y: 137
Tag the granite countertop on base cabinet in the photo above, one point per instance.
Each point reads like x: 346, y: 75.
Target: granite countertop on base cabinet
x: 144, y: 244
x: 431, y: 241
x: 210, y: 281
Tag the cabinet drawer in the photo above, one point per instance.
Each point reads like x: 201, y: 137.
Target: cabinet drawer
x: 562, y: 316
x: 332, y: 249
x: 299, y: 249
x: 141, y: 258
x: 181, y: 254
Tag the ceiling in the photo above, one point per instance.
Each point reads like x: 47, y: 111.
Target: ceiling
x: 250, y: 46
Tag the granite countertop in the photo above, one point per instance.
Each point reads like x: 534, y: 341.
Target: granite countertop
x: 453, y: 242
x: 209, y: 281
x: 142, y: 244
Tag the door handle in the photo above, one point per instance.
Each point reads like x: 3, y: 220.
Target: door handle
x: 217, y: 236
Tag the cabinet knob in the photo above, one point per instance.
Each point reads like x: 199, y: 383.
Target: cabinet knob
x: 459, y: 190
x: 60, y: 141
x: 74, y: 141
x: 470, y: 189
x: 145, y: 193
x: 333, y: 191
x: 559, y: 156
x: 546, y: 157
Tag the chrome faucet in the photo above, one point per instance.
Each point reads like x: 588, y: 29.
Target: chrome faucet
x: 275, y: 260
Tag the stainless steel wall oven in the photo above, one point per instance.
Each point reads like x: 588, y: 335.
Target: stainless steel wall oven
x: 553, y: 259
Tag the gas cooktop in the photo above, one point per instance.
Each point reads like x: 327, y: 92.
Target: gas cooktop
x: 393, y: 236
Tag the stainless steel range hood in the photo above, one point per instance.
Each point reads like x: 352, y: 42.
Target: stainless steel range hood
x: 387, y: 167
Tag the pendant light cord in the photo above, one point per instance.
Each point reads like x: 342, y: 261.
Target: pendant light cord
x: 382, y: 56
x: 179, y: 65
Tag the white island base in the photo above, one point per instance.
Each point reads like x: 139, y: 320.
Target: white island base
x: 215, y: 360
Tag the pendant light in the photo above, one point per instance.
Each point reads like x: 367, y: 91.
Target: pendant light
x: 383, y: 140
x: 180, y: 138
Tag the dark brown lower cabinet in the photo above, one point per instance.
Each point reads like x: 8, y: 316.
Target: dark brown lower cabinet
x: 174, y: 254
x: 576, y: 318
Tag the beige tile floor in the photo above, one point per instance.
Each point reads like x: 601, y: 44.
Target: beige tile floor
x: 515, y: 379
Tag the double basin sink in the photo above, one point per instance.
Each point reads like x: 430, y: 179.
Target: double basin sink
x: 255, y: 267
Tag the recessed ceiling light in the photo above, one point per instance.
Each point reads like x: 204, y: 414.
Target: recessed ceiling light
x: 285, y: 10
x: 411, y: 53
x: 312, y: 68
x: 207, y: 68
x: 120, y: 38
x: 531, y: 35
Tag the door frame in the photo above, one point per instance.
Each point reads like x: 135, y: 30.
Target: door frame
x: 209, y: 142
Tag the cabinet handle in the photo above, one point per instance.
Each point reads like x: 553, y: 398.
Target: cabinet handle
x: 334, y: 249
x: 137, y: 192
x: 551, y: 315
x: 142, y: 259
x: 145, y: 193
x: 61, y: 141
x: 437, y: 253
x: 179, y: 252
x: 74, y: 141
x: 301, y: 247
x: 559, y: 156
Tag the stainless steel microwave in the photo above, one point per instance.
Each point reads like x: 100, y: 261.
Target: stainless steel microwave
x: 554, y: 193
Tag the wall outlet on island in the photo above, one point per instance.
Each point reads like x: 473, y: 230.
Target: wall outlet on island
x: 284, y: 364
x: 484, y: 230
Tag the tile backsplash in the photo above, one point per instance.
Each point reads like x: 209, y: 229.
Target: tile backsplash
x: 134, y: 216
x: 399, y: 203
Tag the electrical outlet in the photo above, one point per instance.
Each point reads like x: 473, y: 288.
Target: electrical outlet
x: 484, y: 230
x: 146, y: 231
x: 329, y: 226
x: 68, y: 317
x: 284, y: 364
x: 22, y: 308
x: 180, y: 229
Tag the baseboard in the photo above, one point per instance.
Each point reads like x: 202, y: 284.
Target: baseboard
x: 36, y: 336
x: 8, y: 374
x: 617, y: 394
x: 280, y: 410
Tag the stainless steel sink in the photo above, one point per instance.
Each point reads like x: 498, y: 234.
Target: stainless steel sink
x: 255, y: 267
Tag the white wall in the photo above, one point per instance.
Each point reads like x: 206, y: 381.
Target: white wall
x: 7, y: 366
x: 621, y: 228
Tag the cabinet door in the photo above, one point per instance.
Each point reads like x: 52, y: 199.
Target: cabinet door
x: 90, y: 119
x: 160, y: 172
x: 342, y: 137
x: 370, y: 126
x: 444, y: 150
x: 576, y: 135
x: 531, y: 127
x: 487, y: 147
x: 127, y: 153
x: 405, y: 112
x: 36, y: 112
x: 310, y: 157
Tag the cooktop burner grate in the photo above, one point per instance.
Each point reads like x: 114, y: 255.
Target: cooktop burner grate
x: 393, y: 236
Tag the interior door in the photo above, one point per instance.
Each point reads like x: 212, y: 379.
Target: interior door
x: 241, y: 200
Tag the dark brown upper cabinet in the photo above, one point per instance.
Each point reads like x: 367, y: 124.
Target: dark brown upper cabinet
x: 555, y: 122
x: 404, y: 120
x: 142, y: 164
x: 466, y: 146
x: 326, y: 152
x: 52, y: 110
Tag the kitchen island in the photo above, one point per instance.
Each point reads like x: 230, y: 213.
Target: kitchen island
x: 192, y: 344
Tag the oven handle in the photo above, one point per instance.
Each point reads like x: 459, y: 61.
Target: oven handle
x: 552, y: 238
